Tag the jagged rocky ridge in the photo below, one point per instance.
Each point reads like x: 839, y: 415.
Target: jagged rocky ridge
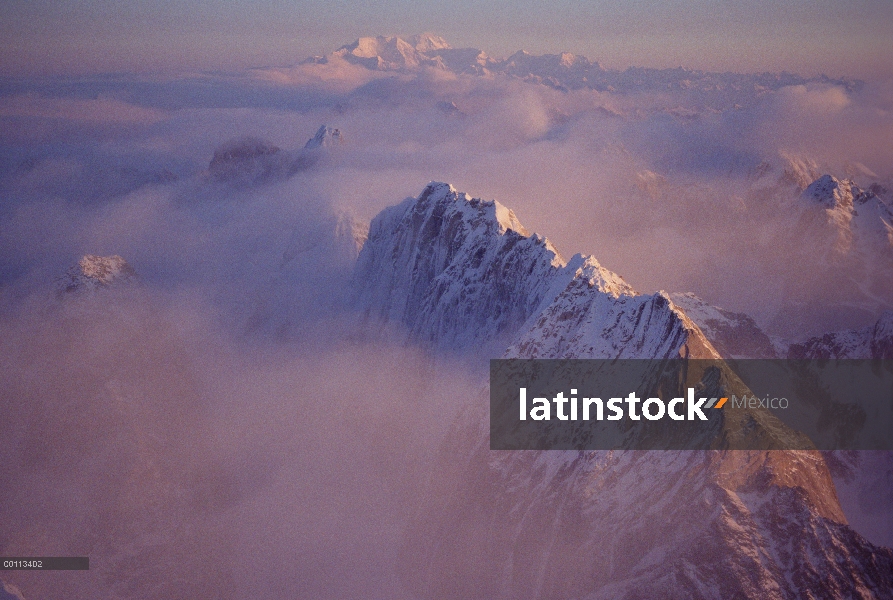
x: 456, y: 272
x: 862, y: 479
x: 459, y: 272
x: 444, y: 265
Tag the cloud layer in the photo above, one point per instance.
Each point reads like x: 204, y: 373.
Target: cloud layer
x: 205, y: 431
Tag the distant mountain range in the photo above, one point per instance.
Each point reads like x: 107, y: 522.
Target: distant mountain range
x: 564, y: 71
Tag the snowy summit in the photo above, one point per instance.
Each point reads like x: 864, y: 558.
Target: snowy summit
x: 95, y: 272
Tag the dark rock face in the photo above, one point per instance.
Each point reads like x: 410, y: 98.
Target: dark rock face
x: 247, y: 160
x: 251, y: 161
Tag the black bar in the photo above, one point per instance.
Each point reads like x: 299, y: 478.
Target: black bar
x: 45, y: 563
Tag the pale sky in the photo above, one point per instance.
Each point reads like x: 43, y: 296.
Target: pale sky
x: 806, y: 36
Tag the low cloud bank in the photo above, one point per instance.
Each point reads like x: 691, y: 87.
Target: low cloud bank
x: 203, y: 432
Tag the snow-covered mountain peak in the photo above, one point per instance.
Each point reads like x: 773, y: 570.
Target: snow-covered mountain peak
x: 104, y: 269
x: 475, y: 208
x: 831, y: 192
x: 447, y: 268
x: 855, y: 214
x: 566, y: 59
x: 95, y: 272
x: 458, y: 272
x: 547, y: 63
x: 325, y: 137
x: 588, y: 269
x: 392, y: 53
x: 567, y: 71
x: 367, y: 47
x: 428, y: 42
x: 455, y: 270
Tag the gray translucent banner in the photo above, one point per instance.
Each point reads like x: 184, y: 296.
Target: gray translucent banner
x: 45, y: 563
x: 687, y: 404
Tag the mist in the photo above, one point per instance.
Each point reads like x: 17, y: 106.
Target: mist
x: 651, y: 184
x: 226, y: 418
x: 187, y: 463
